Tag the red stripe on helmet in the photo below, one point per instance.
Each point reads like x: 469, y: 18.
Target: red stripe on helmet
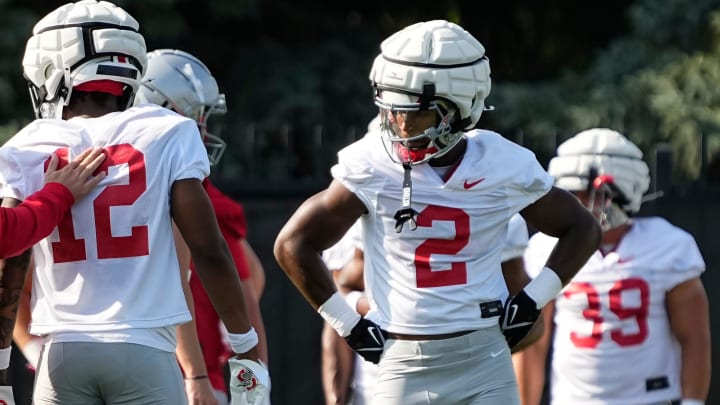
x: 102, y: 86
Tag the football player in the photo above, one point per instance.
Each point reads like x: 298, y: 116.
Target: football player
x: 435, y: 196
x: 181, y: 82
x: 106, y: 290
x: 352, y: 381
x: 633, y: 325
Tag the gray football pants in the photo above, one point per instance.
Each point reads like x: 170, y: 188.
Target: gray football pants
x: 473, y: 369
x: 107, y: 373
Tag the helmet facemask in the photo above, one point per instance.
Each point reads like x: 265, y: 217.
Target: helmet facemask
x: 214, y: 145
x: 435, y: 141
x: 604, y: 199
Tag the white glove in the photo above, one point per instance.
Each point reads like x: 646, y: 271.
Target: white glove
x: 6, y: 395
x: 249, y: 382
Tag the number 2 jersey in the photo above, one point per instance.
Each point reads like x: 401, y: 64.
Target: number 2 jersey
x: 111, y: 264
x: 432, y: 280
x: 613, y: 344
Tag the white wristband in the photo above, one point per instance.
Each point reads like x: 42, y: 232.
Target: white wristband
x: 5, y: 357
x: 352, y: 298
x: 339, y: 314
x: 243, y: 342
x: 544, y: 288
x: 691, y: 401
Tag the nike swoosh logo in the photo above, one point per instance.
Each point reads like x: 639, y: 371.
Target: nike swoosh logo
x: 495, y: 354
x: 514, y: 308
x: 371, y: 330
x: 470, y: 184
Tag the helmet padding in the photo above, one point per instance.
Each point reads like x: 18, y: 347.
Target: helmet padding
x: 602, y: 151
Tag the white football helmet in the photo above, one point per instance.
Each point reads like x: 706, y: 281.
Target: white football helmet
x: 434, y: 65
x: 82, y: 42
x: 601, y: 156
x: 179, y: 81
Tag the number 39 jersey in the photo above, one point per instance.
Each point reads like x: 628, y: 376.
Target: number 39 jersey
x: 432, y: 280
x: 111, y: 263
x: 613, y: 344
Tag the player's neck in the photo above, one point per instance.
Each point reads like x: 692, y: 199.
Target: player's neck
x: 612, y: 237
x: 451, y: 158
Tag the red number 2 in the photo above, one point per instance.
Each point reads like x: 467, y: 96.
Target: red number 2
x: 457, y: 274
x: 71, y: 249
x: 592, y: 312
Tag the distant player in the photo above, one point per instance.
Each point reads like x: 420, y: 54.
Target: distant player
x: 633, y: 325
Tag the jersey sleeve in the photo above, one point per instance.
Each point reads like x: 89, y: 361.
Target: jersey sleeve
x: 186, y: 153
x: 353, y: 170
x: 529, y: 181
x: 11, y: 177
x: 516, y: 240
x: 686, y: 261
x: 33, y: 219
x: 537, y: 253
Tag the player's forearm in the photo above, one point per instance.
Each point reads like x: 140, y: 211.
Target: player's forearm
x: 188, y: 350
x: 220, y: 279
x: 337, y: 363
x: 696, y: 366
x: 11, y: 287
x: 27, y: 223
x: 574, y: 248
x: 306, y: 270
x: 253, y: 309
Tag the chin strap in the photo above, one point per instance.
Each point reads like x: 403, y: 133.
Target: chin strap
x: 406, y: 213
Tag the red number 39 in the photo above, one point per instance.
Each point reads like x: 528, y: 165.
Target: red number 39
x: 71, y: 249
x: 593, y: 312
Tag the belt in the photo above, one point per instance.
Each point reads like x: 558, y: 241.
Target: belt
x: 487, y: 310
x: 404, y: 336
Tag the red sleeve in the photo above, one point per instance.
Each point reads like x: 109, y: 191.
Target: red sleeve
x: 33, y: 219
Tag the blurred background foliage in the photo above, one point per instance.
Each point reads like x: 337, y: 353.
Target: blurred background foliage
x: 295, y: 71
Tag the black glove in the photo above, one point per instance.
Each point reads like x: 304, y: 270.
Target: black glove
x: 367, y: 339
x: 518, y: 317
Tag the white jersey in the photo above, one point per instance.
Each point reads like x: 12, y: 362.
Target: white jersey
x: 431, y: 280
x: 111, y: 263
x: 516, y: 240
x: 613, y: 344
x: 339, y: 254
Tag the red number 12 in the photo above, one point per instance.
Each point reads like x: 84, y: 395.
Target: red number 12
x: 71, y: 249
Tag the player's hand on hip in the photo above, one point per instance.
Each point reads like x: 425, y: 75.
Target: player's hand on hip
x: 518, y: 317
x: 6, y: 395
x: 249, y: 382
x: 367, y: 340
x: 77, y: 175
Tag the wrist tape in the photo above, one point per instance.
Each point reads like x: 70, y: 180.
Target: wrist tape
x: 544, y: 288
x: 243, y: 342
x: 338, y: 313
